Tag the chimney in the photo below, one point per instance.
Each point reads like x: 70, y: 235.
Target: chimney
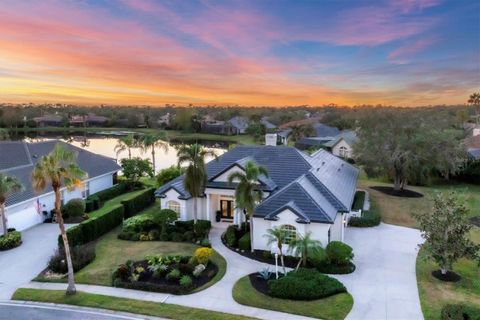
x: 271, y: 139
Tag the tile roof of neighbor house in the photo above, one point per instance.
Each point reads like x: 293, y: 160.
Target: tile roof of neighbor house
x: 316, y: 186
x: 267, y: 123
x: 17, y: 158
x: 241, y: 123
x: 474, y: 154
x: 323, y: 130
x: 348, y: 135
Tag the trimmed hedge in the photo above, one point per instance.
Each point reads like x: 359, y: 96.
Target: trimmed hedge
x: 305, y: 284
x: 110, y: 193
x: 230, y: 236
x: 202, y: 228
x: 460, y: 312
x: 93, y: 228
x: 369, y: 219
x: 139, y: 202
x: 244, y: 242
x: 12, y: 240
x: 74, y: 208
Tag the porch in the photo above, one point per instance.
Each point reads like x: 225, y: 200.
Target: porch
x: 222, y: 201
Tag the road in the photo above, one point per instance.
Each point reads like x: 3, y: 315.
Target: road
x: 37, y: 311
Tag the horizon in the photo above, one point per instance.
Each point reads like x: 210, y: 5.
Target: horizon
x: 240, y: 53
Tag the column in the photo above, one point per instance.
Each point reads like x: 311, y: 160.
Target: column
x: 208, y: 208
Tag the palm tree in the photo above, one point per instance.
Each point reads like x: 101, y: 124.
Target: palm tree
x: 196, y: 172
x: 247, y: 193
x: 303, y: 246
x: 8, y: 185
x: 474, y: 100
x: 126, y: 143
x: 59, y: 169
x: 277, y: 235
x: 151, y: 141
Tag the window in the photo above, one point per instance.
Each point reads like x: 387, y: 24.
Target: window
x: 343, y: 152
x: 174, y: 205
x: 290, y: 233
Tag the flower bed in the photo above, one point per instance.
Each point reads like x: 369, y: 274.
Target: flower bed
x: 12, y: 240
x: 168, y: 274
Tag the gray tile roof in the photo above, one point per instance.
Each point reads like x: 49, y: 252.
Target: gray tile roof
x: 267, y: 123
x: 474, y: 154
x: 29, y: 153
x: 315, y: 187
x: 241, y: 123
x: 323, y: 130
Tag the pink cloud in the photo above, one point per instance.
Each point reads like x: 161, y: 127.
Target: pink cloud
x: 400, y: 54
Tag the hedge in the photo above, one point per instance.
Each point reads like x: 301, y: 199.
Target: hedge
x: 110, y: 193
x: 230, y: 236
x: 12, y: 240
x: 368, y: 219
x: 93, y: 228
x: 244, y: 242
x: 139, y: 202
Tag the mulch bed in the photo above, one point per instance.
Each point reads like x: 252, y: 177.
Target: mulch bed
x: 260, y: 284
x: 450, y: 276
x: 475, y: 220
x: 402, y: 193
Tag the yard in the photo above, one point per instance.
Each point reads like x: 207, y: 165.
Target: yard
x: 108, y: 205
x: 334, y: 307
x: 434, y: 294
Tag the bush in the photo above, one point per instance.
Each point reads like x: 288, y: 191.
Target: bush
x: 165, y: 236
x: 164, y: 218
x: 304, y: 284
x: 184, y: 226
x: 142, y: 222
x: 202, y: 228
x: 168, y: 174
x: 329, y: 268
x: 189, y: 236
x: 110, y: 193
x: 205, y: 243
x: 369, y: 219
x: 81, y: 257
x: 153, y: 234
x: 177, y: 237
x: 203, y: 255
x: 339, y: 253
x: 74, y: 208
x: 89, y: 206
x: 186, y: 281
x: 93, y: 228
x: 460, y: 312
x: 12, y: 240
x: 173, y: 275
x: 139, y: 202
x: 230, y: 236
x: 244, y: 242
x: 96, y: 203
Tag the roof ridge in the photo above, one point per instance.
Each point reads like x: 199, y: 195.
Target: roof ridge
x: 327, y: 190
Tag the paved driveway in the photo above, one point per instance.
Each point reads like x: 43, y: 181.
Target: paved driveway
x: 20, y: 265
x: 384, y: 286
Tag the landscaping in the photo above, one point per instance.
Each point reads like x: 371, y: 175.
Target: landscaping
x: 335, y: 304
x: 164, y: 310
x: 11, y: 240
x: 170, y: 273
x: 369, y: 218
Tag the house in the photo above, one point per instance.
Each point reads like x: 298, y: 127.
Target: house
x: 268, y: 125
x: 165, y: 120
x: 17, y: 158
x: 52, y: 120
x: 240, y: 124
x: 218, y: 127
x: 303, y: 193
x: 473, y: 147
x: 89, y: 120
x: 277, y: 138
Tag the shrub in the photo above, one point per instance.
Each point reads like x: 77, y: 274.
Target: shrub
x: 12, y: 240
x: 130, y: 235
x: 168, y: 174
x: 304, y: 284
x: 460, y: 312
x: 153, y: 234
x: 205, y: 243
x: 202, y: 228
x: 144, y: 237
x: 96, y: 203
x: 244, y: 242
x: 267, y: 254
x: 173, y: 275
x: 230, y: 236
x: 74, y: 208
x: 89, y: 206
x: 81, y: 257
x: 122, y: 272
x: 177, y: 237
x: 93, y: 228
x: 339, y: 253
x: 197, y: 271
x: 369, y: 219
x: 189, y: 236
x: 184, y: 225
x: 110, y: 193
x: 186, y: 281
x: 142, y: 222
x: 164, y: 236
x: 139, y: 202
x: 203, y: 255
x: 165, y: 217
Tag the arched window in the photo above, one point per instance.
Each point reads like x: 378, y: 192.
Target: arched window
x: 174, y: 205
x: 290, y: 233
x: 343, y: 152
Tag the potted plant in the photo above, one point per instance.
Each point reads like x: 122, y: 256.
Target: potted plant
x: 218, y: 216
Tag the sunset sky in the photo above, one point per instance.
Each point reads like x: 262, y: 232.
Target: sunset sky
x: 400, y: 52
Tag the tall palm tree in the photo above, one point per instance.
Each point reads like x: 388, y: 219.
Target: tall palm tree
x: 59, y: 169
x: 474, y: 100
x: 126, y: 143
x: 151, y: 141
x: 196, y: 172
x: 247, y: 193
x: 303, y: 246
x: 277, y: 235
x: 8, y: 185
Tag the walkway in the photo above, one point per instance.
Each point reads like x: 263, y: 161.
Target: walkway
x: 20, y: 265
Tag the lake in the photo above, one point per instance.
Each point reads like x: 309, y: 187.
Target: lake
x: 105, y: 145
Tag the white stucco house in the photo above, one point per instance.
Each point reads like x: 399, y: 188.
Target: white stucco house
x: 303, y: 193
x: 25, y: 209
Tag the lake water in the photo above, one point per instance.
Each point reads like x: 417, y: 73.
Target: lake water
x: 105, y: 145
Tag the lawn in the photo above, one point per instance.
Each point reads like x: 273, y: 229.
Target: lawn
x: 155, y: 309
x: 434, y: 294
x: 334, y: 307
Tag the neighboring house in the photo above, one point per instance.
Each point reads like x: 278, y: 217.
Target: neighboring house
x: 24, y: 209
x: 89, y: 120
x: 474, y: 154
x: 240, y: 124
x: 268, y: 125
x: 165, y: 120
x: 218, y: 127
x: 52, y: 120
x: 324, y: 131
x: 302, y: 193
x: 473, y: 147
x: 278, y: 138
x: 471, y: 129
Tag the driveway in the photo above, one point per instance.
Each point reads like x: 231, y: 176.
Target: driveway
x: 384, y: 285
x: 20, y: 265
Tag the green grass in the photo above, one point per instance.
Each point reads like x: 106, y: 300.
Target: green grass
x: 110, y: 204
x: 334, y: 307
x: 155, y: 309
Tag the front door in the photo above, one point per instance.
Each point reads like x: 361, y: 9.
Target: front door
x: 226, y: 207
